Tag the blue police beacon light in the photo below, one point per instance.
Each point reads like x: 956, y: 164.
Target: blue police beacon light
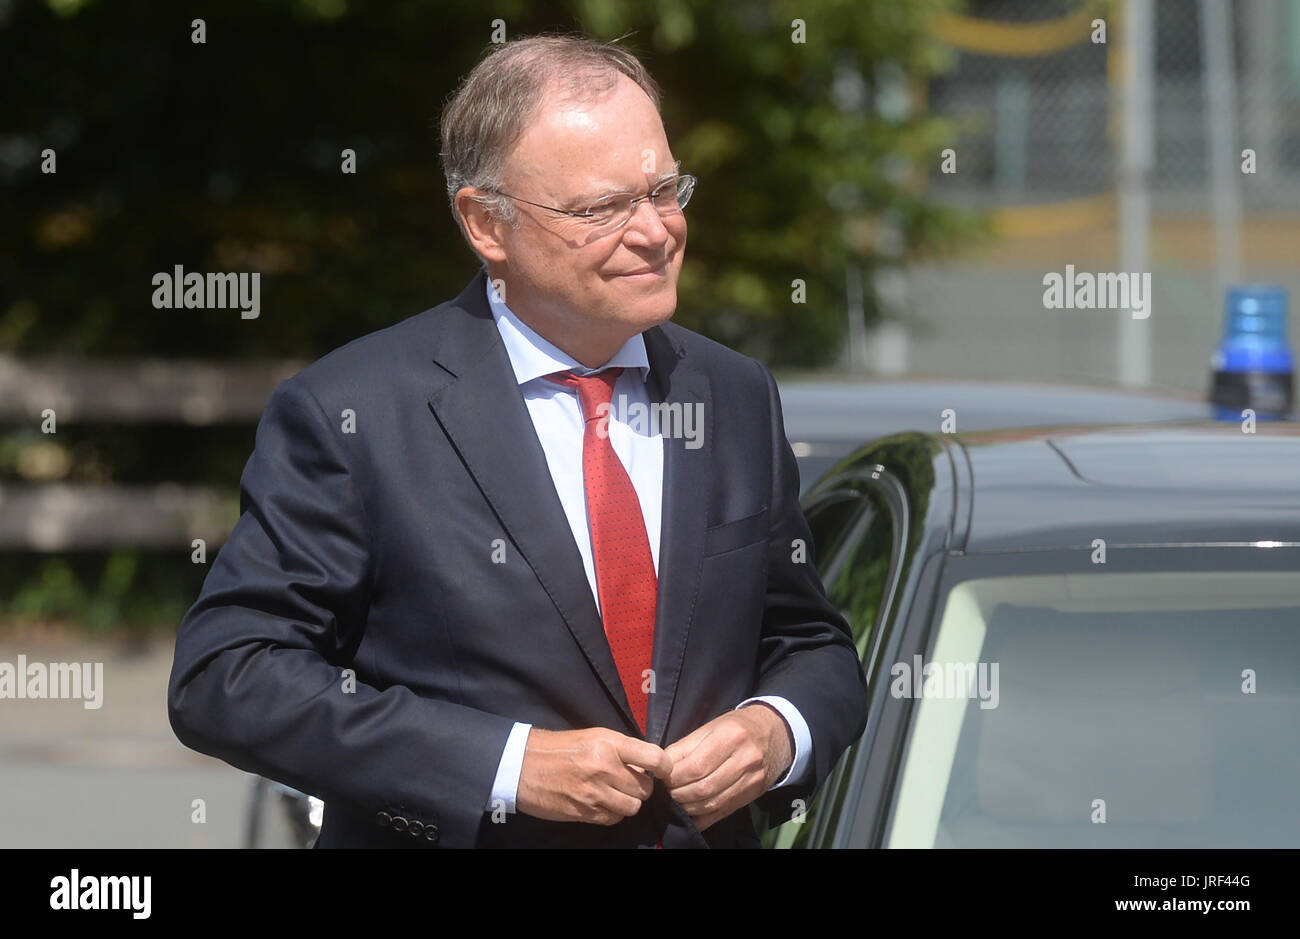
x: 1252, y: 367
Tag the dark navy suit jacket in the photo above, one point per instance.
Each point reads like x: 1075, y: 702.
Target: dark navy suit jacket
x: 358, y: 639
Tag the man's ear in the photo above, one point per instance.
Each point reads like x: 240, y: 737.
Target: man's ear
x: 480, y: 226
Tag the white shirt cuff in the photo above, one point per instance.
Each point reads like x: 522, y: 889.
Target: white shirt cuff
x: 506, y: 785
x: 798, y: 730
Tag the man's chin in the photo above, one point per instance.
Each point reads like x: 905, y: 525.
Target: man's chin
x: 657, y: 315
x: 644, y: 308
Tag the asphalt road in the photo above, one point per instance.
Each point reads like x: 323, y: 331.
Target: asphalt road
x: 115, y: 776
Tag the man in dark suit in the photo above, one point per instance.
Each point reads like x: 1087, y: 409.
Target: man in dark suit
x: 529, y: 568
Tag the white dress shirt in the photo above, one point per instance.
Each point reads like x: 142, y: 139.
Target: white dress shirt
x: 557, y: 417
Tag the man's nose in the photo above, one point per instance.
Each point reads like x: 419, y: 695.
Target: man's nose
x: 648, y: 223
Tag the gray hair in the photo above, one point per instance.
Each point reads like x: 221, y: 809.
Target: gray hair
x: 499, y: 98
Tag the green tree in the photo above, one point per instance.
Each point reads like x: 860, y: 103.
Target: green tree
x: 226, y: 155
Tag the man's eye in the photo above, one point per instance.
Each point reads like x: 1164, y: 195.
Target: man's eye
x: 665, y: 194
x: 606, y: 208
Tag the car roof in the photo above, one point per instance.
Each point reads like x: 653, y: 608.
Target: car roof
x: 1170, y: 483
x: 827, y: 418
x: 827, y: 411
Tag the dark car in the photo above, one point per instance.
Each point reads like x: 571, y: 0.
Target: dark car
x: 1073, y: 638
x: 828, y: 418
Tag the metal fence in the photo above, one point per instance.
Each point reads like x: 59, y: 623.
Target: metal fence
x: 1040, y: 107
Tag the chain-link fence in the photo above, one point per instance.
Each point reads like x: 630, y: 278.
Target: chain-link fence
x: 1038, y: 95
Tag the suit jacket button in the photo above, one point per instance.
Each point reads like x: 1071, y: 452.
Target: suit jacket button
x: 399, y: 823
x: 384, y: 819
x: 431, y: 832
x: 416, y: 828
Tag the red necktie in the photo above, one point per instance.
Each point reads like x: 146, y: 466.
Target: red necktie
x: 625, y: 571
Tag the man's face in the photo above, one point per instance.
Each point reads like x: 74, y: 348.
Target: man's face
x: 560, y: 276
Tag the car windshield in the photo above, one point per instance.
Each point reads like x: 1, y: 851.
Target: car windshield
x: 1105, y: 710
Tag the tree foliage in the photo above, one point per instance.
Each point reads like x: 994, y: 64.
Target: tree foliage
x: 225, y: 155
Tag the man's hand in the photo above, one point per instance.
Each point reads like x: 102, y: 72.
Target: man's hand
x: 596, y: 775
x: 729, y: 762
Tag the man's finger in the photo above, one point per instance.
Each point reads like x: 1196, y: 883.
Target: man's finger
x: 635, y: 782
x: 740, y: 792
x: 725, y: 775
x: 646, y: 755
x: 704, y: 822
x: 680, y: 748
x: 698, y: 764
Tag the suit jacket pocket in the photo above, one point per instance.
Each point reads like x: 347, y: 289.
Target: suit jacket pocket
x: 732, y: 535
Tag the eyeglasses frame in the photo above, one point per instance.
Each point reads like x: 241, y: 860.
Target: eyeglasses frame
x: 586, y: 214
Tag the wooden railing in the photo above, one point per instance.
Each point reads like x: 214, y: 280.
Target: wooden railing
x: 59, y: 516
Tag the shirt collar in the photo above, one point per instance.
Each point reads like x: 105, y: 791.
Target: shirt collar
x: 531, y: 356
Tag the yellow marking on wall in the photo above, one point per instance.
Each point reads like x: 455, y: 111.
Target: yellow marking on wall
x: 1016, y: 40
x: 1057, y: 218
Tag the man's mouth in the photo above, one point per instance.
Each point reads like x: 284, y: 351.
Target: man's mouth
x: 647, y: 271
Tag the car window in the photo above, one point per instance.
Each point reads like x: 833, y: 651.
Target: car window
x: 1151, y: 709
x: 832, y: 519
x: 856, y: 579
x: 856, y: 570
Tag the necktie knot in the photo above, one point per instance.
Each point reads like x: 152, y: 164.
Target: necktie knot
x: 593, y: 390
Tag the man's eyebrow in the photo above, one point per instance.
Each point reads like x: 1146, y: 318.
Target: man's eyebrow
x: 675, y: 171
x: 582, y: 200
x: 664, y: 177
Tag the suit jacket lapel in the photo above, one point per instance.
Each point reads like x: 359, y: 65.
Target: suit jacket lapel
x: 478, y: 404
x: 676, y: 380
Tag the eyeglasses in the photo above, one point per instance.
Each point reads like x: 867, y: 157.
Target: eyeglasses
x: 613, y: 212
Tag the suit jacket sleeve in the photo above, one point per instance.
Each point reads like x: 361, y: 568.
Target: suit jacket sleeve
x: 260, y: 675
x: 806, y: 652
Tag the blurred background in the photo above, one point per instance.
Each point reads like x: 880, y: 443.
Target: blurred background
x: 883, y: 186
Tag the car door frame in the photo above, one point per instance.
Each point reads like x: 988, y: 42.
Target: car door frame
x: 871, y: 764
x: 859, y: 484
